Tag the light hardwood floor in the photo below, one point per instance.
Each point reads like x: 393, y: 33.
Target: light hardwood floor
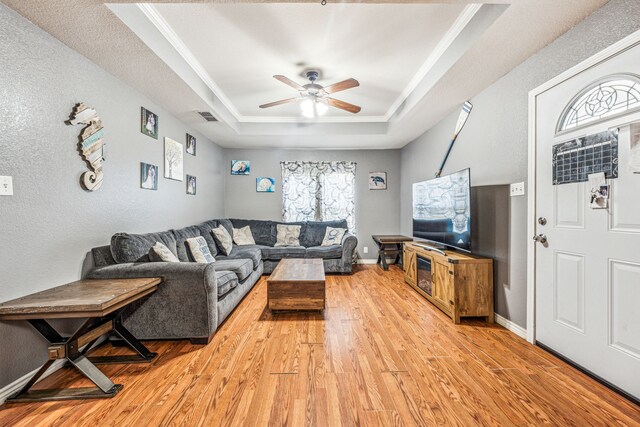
x: 381, y: 355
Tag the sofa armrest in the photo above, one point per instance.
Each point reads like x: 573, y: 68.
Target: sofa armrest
x: 184, y: 306
x: 349, y: 244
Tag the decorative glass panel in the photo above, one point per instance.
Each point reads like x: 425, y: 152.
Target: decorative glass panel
x: 610, y: 96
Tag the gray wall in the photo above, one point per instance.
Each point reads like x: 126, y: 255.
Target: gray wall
x: 50, y: 223
x: 494, y: 142
x: 376, y: 210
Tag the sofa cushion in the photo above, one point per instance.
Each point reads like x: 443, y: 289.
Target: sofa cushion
x: 205, y: 231
x: 182, y: 248
x: 313, y: 231
x: 127, y: 247
x: 333, y: 236
x: 199, y: 250
x: 280, y: 252
x: 242, y: 236
x: 223, y: 239
x: 288, y: 235
x: 226, y: 281
x: 251, y: 252
x: 263, y: 232
x: 241, y: 267
x: 161, y: 253
x: 332, y: 251
x: 226, y: 224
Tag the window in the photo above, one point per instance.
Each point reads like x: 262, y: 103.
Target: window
x: 319, y: 191
x: 610, y: 96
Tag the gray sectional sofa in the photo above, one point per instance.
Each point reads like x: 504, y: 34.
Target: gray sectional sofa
x: 194, y: 299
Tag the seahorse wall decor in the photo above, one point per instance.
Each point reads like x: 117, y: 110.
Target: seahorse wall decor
x: 91, y: 145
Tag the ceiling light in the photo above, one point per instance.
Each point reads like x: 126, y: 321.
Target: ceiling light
x: 312, y: 108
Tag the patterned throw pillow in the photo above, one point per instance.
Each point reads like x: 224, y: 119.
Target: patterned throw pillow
x: 199, y: 250
x: 288, y: 235
x: 159, y: 252
x: 242, y: 236
x: 223, y: 239
x: 333, y: 236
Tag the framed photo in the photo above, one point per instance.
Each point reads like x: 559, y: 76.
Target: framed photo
x: 377, y: 180
x: 240, y: 167
x: 191, y: 185
x: 148, y: 176
x: 265, y: 185
x: 172, y: 159
x: 149, y: 123
x: 191, y: 145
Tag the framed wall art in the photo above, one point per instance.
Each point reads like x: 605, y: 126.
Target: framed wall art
x: 377, y: 180
x: 240, y: 167
x: 149, y: 123
x: 173, y: 159
x: 265, y: 185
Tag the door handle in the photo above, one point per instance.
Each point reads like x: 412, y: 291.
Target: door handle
x: 540, y: 238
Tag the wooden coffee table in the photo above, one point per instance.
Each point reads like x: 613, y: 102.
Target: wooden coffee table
x: 101, y: 303
x: 297, y: 284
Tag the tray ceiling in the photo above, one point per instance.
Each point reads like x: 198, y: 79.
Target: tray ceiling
x: 416, y: 62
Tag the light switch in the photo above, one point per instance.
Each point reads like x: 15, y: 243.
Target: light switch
x: 517, y: 189
x: 6, y: 186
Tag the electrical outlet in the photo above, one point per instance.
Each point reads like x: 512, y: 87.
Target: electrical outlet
x: 517, y: 189
x: 6, y: 186
x: 365, y: 249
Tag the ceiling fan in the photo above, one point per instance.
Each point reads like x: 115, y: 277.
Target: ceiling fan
x: 315, y: 97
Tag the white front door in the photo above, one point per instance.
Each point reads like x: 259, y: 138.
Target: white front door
x: 588, y: 272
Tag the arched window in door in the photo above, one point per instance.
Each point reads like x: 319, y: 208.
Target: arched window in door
x: 610, y: 96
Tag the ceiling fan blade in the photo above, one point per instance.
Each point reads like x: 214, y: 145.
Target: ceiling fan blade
x: 289, y: 82
x: 343, y: 105
x: 343, y: 85
x: 282, y: 101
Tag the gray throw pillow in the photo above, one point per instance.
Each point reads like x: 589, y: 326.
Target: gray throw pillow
x: 199, y: 250
x: 242, y: 236
x: 333, y: 236
x: 288, y: 235
x: 159, y: 252
x: 223, y: 239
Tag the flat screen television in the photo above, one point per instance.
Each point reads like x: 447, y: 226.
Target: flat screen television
x: 442, y: 210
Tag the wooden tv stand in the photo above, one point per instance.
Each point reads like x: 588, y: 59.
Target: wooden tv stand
x: 461, y: 284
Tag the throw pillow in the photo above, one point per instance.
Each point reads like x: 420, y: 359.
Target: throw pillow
x: 160, y: 253
x: 242, y: 236
x: 288, y: 235
x: 199, y: 250
x: 223, y: 239
x: 333, y: 236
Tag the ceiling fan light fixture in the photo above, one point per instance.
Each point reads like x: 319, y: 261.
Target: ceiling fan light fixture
x: 312, y: 108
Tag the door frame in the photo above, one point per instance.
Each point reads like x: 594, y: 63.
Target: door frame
x: 617, y: 48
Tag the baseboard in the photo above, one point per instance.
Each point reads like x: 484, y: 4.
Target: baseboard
x: 508, y: 324
x: 367, y: 261
x: 12, y: 388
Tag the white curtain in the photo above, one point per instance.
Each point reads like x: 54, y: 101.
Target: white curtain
x: 319, y: 191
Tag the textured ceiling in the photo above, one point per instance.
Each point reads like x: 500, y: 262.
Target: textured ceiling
x: 92, y: 29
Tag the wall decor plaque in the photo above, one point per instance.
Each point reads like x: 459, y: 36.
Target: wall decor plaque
x: 91, y: 145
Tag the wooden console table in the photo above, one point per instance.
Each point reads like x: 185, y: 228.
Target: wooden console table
x: 102, y: 303
x: 389, y: 245
x: 459, y: 284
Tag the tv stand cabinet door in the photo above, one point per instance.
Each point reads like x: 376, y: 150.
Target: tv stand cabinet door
x: 443, y: 286
x: 410, y: 266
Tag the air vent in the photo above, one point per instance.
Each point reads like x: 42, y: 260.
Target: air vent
x: 207, y: 116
